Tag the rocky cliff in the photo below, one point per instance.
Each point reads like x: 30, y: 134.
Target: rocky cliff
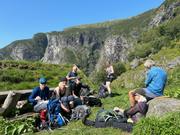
x: 91, y: 45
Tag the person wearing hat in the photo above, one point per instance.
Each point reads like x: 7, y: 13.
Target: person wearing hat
x: 155, y: 82
x: 40, y: 95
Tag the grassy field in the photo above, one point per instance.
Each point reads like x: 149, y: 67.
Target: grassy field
x: 18, y: 75
x: 24, y: 75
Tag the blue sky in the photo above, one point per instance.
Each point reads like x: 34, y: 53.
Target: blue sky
x: 20, y: 19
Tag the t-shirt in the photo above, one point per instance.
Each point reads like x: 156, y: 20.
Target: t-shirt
x: 57, y: 93
x: 72, y: 74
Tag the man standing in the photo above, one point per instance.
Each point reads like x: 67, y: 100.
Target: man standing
x: 40, y: 96
x: 155, y: 82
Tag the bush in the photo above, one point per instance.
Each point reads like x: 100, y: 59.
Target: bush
x: 98, y: 76
x: 168, y: 125
x: 119, y: 68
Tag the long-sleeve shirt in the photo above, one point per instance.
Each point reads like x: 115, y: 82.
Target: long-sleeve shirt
x: 156, y: 80
x: 44, y: 94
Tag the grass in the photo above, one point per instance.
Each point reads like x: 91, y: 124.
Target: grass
x: 17, y: 75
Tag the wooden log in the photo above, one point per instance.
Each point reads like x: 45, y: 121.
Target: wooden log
x: 10, y: 103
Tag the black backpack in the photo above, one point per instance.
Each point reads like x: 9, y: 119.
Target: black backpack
x: 92, y: 101
x: 108, y: 118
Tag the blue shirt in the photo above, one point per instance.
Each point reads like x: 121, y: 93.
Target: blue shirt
x: 44, y: 94
x: 156, y: 81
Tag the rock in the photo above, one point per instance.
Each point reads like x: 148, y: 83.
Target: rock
x: 174, y: 63
x: 162, y: 105
x: 163, y: 14
x: 115, y: 49
x: 134, y: 63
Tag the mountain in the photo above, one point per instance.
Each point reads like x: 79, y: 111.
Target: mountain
x: 92, y: 45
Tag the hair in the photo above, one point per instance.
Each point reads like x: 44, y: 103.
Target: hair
x: 149, y: 63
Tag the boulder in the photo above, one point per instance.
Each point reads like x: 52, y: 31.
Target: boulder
x: 162, y: 105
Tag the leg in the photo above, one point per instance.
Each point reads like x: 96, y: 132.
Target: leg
x: 132, y: 98
x: 108, y: 87
x: 134, y: 95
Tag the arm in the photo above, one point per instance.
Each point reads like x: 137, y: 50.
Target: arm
x: 48, y: 94
x: 68, y: 76
x: 32, y: 97
x: 64, y: 108
x: 149, y: 78
x: 74, y: 94
x: 112, y: 69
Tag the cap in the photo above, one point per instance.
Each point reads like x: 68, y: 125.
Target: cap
x: 42, y: 80
x: 63, y: 79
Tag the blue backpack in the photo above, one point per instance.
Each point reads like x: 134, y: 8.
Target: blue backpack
x: 54, y: 115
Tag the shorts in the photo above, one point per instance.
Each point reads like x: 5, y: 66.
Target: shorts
x: 142, y: 91
x: 41, y: 105
x: 110, y: 78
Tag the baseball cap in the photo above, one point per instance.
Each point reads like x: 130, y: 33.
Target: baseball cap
x: 42, y: 80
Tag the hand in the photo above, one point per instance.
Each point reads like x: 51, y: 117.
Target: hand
x: 38, y: 98
x: 82, y: 98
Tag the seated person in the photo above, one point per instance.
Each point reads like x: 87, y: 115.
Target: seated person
x: 40, y: 96
x: 60, y: 93
x: 76, y: 88
x: 155, y: 82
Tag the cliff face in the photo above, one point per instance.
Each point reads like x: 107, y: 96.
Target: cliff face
x: 28, y: 49
x: 90, y: 45
x: 164, y: 13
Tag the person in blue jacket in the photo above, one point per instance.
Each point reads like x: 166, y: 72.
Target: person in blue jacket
x: 155, y: 82
x: 40, y: 96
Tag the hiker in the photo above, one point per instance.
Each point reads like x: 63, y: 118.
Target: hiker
x: 40, y: 96
x: 76, y: 88
x: 60, y: 93
x: 109, y: 78
x: 71, y: 76
x: 155, y: 82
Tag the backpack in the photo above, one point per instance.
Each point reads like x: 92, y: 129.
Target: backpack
x: 85, y: 91
x: 108, y: 118
x: 54, y: 109
x: 92, y: 101
x: 106, y: 115
x: 102, y: 91
x: 80, y: 112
